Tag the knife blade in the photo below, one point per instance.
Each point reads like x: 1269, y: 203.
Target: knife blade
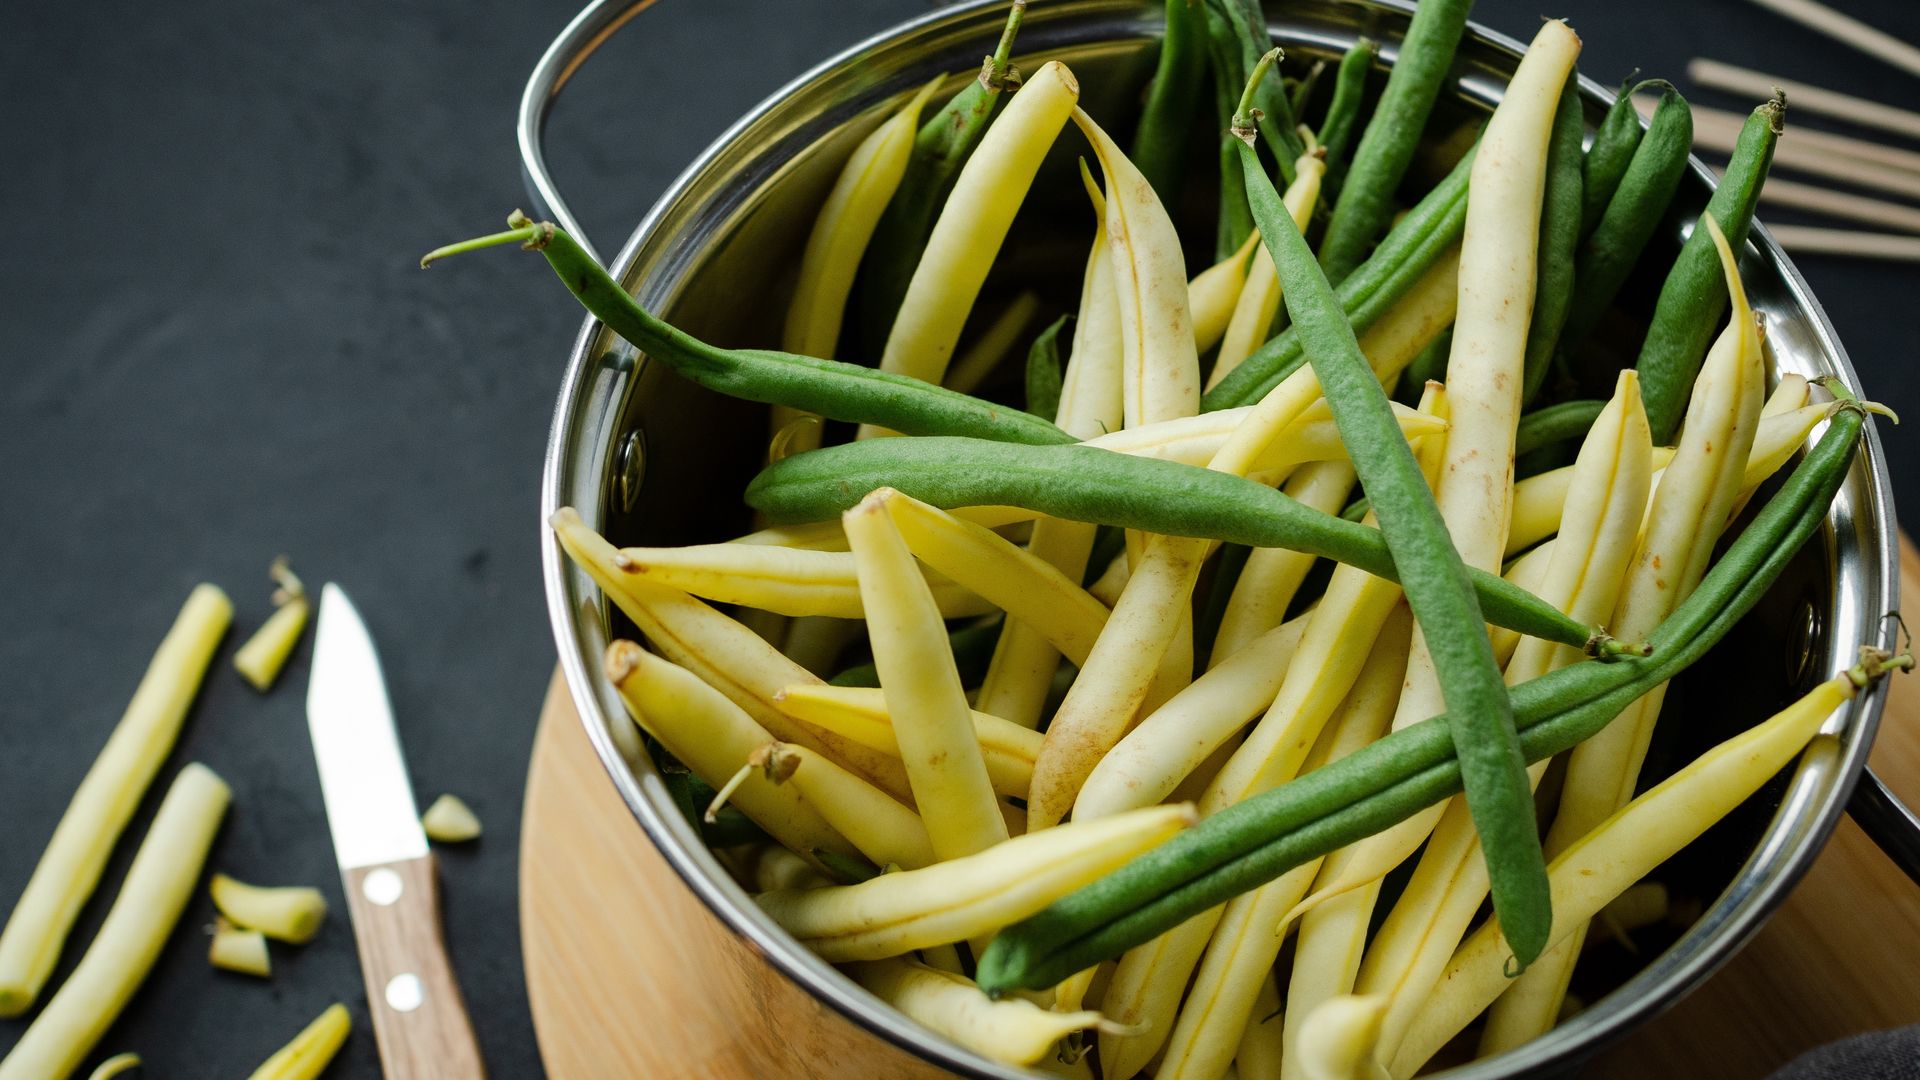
x: 388, y: 873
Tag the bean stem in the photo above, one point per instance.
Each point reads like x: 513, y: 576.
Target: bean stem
x: 1275, y: 120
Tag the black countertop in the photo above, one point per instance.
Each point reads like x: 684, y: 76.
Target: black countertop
x: 218, y: 347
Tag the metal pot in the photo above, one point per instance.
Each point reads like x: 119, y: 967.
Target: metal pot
x: 624, y: 435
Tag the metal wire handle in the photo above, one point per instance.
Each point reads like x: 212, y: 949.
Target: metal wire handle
x: 590, y: 29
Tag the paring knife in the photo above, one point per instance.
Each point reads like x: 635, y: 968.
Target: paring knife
x: 418, y: 1016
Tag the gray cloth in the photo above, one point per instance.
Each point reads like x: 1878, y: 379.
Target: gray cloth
x: 1877, y: 1055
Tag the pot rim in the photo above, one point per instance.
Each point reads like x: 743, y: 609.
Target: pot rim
x: 1861, y: 521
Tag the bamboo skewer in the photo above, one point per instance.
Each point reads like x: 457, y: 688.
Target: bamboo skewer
x: 1841, y: 204
x: 1847, y: 29
x: 1806, y: 240
x: 1721, y: 132
x: 1824, y: 141
x: 1738, y: 80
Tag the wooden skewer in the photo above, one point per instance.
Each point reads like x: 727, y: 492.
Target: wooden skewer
x: 1720, y: 132
x: 1738, y: 80
x: 1841, y: 204
x: 1824, y: 141
x: 1846, y: 28
x: 1804, y: 240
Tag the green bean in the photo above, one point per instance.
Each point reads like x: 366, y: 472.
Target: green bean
x: 1043, y: 371
x: 1387, y: 146
x: 1429, y: 230
x: 1343, y: 113
x: 1694, y: 296
x: 944, y: 143
x: 1166, y: 122
x: 1607, y: 159
x: 972, y: 646
x: 1235, y: 221
x: 1499, y: 795
x: 1609, y: 253
x: 1302, y: 88
x: 1087, y: 483
x: 1555, y: 423
x: 1248, y: 21
x: 832, y: 389
x: 1255, y: 841
x: 693, y: 796
x: 1559, y: 238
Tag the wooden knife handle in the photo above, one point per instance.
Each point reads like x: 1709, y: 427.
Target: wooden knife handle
x: 418, y: 1016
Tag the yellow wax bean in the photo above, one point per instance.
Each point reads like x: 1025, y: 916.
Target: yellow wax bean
x: 1147, y: 985
x: 1259, y: 299
x: 1247, y: 940
x: 778, y: 868
x: 782, y: 580
x: 290, y: 913
x: 1026, y: 587
x: 838, y: 241
x: 1092, y: 388
x: 884, y: 831
x: 1261, y: 1046
x: 259, y: 660
x: 1012, y: 1030
x: 114, y: 1066
x: 1215, y: 292
x: 1691, y: 506
x: 996, y: 342
x: 814, y: 536
x: 311, y: 1051
x: 1021, y: 671
x: 107, y: 796
x: 1538, y: 500
x: 724, y: 654
x: 235, y: 949
x: 1146, y: 765
x: 1589, y: 562
x: 860, y: 713
x: 1623, y: 849
x: 711, y: 736
x: 922, y: 687
x: 1160, y: 367
x: 1338, y: 1039
x: 449, y: 820
x: 1271, y: 576
x: 964, y: 898
x: 1310, y: 435
x: 144, y: 914
x: 973, y: 224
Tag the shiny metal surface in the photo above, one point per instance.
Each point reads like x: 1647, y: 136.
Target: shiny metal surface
x: 719, y: 233
x: 363, y: 777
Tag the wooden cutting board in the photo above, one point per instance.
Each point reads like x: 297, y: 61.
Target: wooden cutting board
x: 629, y: 975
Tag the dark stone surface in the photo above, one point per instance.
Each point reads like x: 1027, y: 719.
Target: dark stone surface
x: 217, y: 348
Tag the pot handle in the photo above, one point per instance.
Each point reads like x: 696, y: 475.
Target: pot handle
x: 1887, y: 822
x: 597, y: 22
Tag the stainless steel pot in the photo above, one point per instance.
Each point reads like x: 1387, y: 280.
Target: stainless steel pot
x: 625, y: 436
